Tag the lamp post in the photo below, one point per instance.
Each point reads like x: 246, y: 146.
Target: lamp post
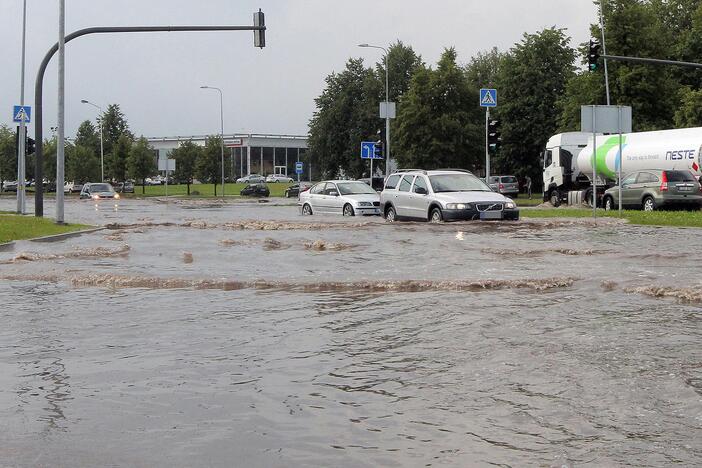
x: 102, y: 151
x: 221, y: 119
x: 387, y: 110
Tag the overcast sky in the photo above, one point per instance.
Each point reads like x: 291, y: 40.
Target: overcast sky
x: 155, y: 77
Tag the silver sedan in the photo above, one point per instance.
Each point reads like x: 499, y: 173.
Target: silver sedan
x: 346, y: 197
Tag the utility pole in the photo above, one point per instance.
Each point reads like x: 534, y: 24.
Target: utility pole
x: 21, y: 141
x: 60, y: 155
x: 604, y: 49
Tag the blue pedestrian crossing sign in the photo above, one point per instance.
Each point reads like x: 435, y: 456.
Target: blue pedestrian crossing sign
x: 488, y: 97
x: 22, y: 114
x: 298, y: 167
x: 369, y: 150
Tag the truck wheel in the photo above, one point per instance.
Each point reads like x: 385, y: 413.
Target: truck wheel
x: 608, y: 204
x: 554, y: 197
x: 649, y: 204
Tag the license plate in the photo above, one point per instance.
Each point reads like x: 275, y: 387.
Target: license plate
x: 685, y: 189
x: 490, y: 215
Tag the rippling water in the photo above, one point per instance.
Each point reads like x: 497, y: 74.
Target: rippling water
x: 582, y: 375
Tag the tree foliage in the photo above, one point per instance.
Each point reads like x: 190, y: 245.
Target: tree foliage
x: 186, y: 156
x: 141, y: 162
x: 8, y: 155
x: 208, y: 165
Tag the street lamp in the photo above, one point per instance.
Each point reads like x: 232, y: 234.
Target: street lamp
x: 221, y: 119
x: 387, y: 110
x: 102, y: 151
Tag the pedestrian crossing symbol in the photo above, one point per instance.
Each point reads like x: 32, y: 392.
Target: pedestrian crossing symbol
x: 22, y: 114
x: 488, y: 97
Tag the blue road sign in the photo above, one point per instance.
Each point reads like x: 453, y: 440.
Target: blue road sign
x: 22, y: 114
x: 369, y: 150
x: 298, y: 167
x: 488, y: 97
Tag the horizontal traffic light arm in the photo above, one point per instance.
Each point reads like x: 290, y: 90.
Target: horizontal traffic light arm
x: 651, y: 60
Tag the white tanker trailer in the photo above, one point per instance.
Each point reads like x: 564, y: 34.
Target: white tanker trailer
x: 568, y: 160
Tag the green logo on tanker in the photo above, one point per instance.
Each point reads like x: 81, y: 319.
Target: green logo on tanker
x: 602, y: 152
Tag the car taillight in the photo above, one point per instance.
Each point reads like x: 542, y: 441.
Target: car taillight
x: 502, y: 186
x: 664, y: 182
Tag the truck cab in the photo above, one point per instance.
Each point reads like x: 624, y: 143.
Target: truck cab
x: 559, y: 161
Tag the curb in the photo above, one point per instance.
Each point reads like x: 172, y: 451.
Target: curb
x: 65, y: 235
x: 7, y: 246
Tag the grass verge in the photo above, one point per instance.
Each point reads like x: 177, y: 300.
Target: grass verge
x: 16, y: 227
x: 643, y: 218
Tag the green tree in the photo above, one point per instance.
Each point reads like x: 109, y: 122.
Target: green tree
x: 689, y: 114
x: 440, y: 123
x: 114, y: 125
x: 533, y: 76
x: 8, y: 155
x: 88, y: 137
x: 117, y: 159
x: 347, y: 113
x: 141, y: 162
x: 483, y: 69
x: 82, y: 164
x: 186, y: 156
x: 403, y: 63
x: 208, y: 166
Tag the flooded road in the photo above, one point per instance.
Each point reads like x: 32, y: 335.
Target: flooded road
x: 197, y: 333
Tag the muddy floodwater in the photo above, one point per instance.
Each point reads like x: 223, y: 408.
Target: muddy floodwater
x: 202, y: 333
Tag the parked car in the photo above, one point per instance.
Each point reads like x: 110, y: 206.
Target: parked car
x: 77, y: 188
x: 251, y: 179
x: 275, y: 178
x: 347, y: 197
x: 9, y: 186
x: 377, y: 183
x: 154, y: 181
x: 654, y: 189
x: 443, y: 195
x: 506, y: 185
x: 98, y: 191
x: 294, y: 189
x: 255, y: 190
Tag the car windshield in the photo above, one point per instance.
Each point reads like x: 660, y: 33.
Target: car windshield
x: 354, y: 188
x: 100, y: 188
x: 679, y: 176
x: 509, y: 180
x: 457, y: 183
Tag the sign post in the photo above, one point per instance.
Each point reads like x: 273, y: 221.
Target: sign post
x: 488, y: 99
x: 369, y: 150
x: 298, y: 170
x: 23, y: 115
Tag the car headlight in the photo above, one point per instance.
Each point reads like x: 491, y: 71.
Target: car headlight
x: 458, y: 206
x: 510, y: 205
x: 116, y: 196
x: 365, y: 203
x: 96, y: 197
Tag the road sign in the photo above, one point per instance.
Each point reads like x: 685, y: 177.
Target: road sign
x: 167, y: 165
x: 22, y: 114
x: 488, y: 97
x: 369, y: 151
x: 298, y: 167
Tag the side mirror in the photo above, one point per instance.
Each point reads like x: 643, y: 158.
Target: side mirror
x: 420, y: 190
x: 334, y: 194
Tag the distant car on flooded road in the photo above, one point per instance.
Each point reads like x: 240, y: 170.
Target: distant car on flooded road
x: 98, y: 191
x: 345, y: 197
x: 255, y: 190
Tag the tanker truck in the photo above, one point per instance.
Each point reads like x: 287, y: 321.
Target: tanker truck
x: 568, y: 161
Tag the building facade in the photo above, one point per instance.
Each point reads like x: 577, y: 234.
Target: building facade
x: 250, y: 153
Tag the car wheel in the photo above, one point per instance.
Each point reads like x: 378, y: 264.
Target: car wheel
x: 554, y: 197
x: 649, y: 204
x: 436, y: 216
x: 348, y: 210
x: 609, y: 204
x: 390, y: 215
x: 306, y: 210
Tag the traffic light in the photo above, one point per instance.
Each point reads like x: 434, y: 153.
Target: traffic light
x: 494, y: 135
x: 380, y: 143
x: 259, y: 35
x: 29, y: 146
x: 593, y: 54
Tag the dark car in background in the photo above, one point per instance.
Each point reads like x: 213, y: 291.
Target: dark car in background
x: 655, y: 189
x: 255, y: 190
x: 377, y: 183
x: 294, y: 189
x: 124, y: 187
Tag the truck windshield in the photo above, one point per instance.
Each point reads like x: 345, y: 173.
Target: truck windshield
x: 457, y: 183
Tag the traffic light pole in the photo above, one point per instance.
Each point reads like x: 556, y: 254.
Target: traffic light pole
x: 39, y: 85
x: 652, y: 61
x: 22, y: 138
x: 487, y: 146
